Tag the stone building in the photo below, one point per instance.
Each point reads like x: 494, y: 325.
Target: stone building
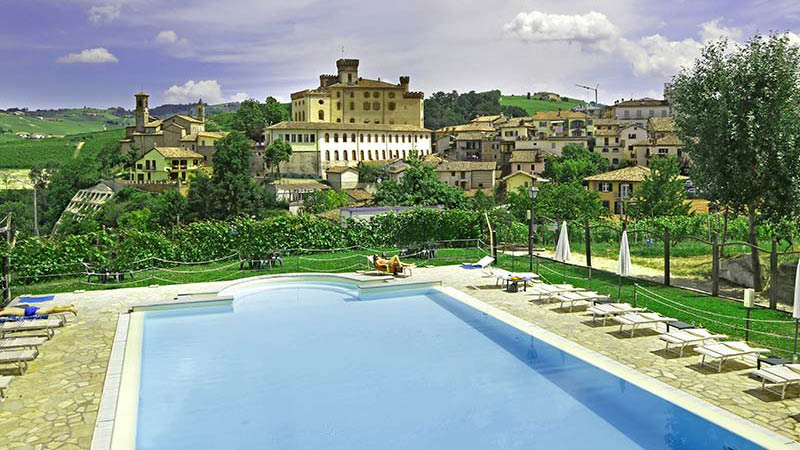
x: 348, y: 98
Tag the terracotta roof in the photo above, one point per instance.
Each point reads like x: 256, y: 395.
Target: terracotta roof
x: 177, y: 152
x: 458, y: 166
x: 606, y: 122
x: 558, y: 115
x: 525, y: 156
x: 188, y: 118
x: 397, y: 169
x: 333, y: 214
x: 487, y: 118
x: 289, y: 125
x: 213, y: 134
x: 526, y: 174
x: 632, y: 173
x: 474, y: 126
x: 642, y: 102
x: 516, y: 122
x: 661, y: 124
x: 340, y: 169
x: 472, y: 136
x: 601, y: 133
x: 359, y: 195
x: 304, y: 185
x: 669, y: 139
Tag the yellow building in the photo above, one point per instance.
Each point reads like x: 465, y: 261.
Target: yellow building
x: 183, y: 131
x: 563, y: 123
x: 524, y: 179
x: 617, y: 188
x: 348, y: 98
x: 166, y: 165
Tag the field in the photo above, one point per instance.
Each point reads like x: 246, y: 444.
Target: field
x: 24, y: 153
x: 532, y: 106
x: 7, y: 182
x: 71, y: 121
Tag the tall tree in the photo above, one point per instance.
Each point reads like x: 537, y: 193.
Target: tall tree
x: 420, y: 186
x: 250, y: 118
x: 738, y: 111
x: 277, y: 152
x: 662, y: 193
x: 575, y: 163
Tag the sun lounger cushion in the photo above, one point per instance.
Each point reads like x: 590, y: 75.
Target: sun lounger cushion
x: 21, y: 342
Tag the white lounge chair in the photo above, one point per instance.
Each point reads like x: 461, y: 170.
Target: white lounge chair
x: 4, y: 382
x: 578, y: 296
x: 481, y: 264
x: 781, y: 375
x: 47, y: 325
x: 543, y: 291
x: 727, y: 350
x: 21, y: 342
x: 19, y: 358
x: 688, y: 337
x: 609, y: 310
x: 635, y: 320
x: 502, y: 275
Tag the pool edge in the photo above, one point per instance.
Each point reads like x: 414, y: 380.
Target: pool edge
x: 715, y: 414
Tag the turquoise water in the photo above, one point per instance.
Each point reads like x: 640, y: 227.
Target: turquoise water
x: 311, y: 366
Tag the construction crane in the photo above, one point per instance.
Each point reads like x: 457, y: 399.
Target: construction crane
x: 589, y: 88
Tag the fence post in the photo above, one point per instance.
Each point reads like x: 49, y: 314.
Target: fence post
x: 773, y: 275
x: 635, y: 293
x: 537, y: 263
x: 588, y: 238
x: 5, y: 280
x: 714, y: 265
x: 590, y: 277
x: 494, y: 245
x: 666, y: 256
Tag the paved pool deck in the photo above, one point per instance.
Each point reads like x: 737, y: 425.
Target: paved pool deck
x: 54, y: 404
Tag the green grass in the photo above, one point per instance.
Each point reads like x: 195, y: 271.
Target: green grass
x: 688, y: 306
x: 70, y: 121
x: 24, y: 153
x: 532, y: 106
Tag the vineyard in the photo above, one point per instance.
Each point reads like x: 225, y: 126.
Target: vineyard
x: 25, y: 153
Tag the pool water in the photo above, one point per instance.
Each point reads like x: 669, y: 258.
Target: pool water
x: 312, y: 366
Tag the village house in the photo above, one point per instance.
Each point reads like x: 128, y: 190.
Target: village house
x: 467, y: 175
x: 529, y: 161
x: 516, y: 180
x: 616, y: 188
x: 166, y: 165
x: 563, y: 123
x: 547, y: 96
x: 342, y: 177
x: 640, y: 110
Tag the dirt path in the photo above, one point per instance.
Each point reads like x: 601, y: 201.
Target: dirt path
x: 78, y: 148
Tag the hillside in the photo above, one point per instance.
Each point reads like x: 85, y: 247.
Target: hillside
x: 532, y: 106
x: 24, y: 153
x: 164, y: 111
x: 64, y: 121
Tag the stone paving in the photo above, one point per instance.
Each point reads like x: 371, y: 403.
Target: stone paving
x: 54, y: 404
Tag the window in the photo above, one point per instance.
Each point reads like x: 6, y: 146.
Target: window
x: 519, y: 167
x: 376, y: 94
x: 327, y: 155
x: 366, y: 94
x: 383, y: 154
x: 327, y: 137
x: 335, y: 137
x: 321, y: 115
x: 366, y: 106
x: 351, y: 94
x: 663, y: 151
x: 605, y: 205
x: 403, y: 138
x: 321, y: 102
x: 605, y: 187
x: 542, y: 124
x: 615, y: 161
x: 352, y: 107
x: 627, y: 114
x: 376, y: 105
x: 362, y: 155
x: 338, y: 106
x: 369, y: 154
x: 383, y: 138
x: 338, y: 94
x: 353, y: 120
x: 349, y: 77
x: 404, y: 153
x: 344, y: 155
x: 651, y: 113
x: 369, y: 138
x: 292, y: 137
x: 336, y: 155
x: 353, y: 137
x: 344, y: 137
x: 390, y: 138
x: 605, y: 141
x: 391, y: 94
x: 361, y: 137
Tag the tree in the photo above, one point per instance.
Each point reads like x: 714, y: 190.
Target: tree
x: 325, y: 200
x: 67, y: 179
x: 737, y: 109
x: 420, y: 186
x: 557, y: 201
x: 274, y: 111
x: 514, y: 111
x: 575, y: 163
x: 169, y: 209
x: 277, y: 152
x: 662, y: 192
x: 250, y: 119
x: 371, y: 173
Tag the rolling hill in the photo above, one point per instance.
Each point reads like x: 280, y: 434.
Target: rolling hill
x: 532, y: 106
x: 64, y: 121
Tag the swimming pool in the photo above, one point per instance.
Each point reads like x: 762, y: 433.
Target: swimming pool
x: 308, y: 365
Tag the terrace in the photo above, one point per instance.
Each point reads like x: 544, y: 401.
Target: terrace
x: 57, y: 401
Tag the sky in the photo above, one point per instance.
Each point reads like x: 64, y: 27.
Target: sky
x: 73, y: 53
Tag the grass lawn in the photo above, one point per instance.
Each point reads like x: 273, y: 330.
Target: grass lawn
x: 532, y: 106
x: 717, y: 314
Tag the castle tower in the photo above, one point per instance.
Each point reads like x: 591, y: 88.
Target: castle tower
x: 142, y: 113
x: 201, y: 111
x: 348, y: 70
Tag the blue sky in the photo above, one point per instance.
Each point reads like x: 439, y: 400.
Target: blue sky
x: 71, y: 53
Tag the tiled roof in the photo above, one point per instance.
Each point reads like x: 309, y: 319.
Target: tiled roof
x: 474, y: 126
x: 605, y: 122
x: 525, y: 156
x: 487, y: 118
x: 669, y: 139
x: 526, y: 174
x: 632, y: 173
x: 188, y: 118
x: 359, y: 195
x: 562, y: 114
x: 289, y: 125
x: 642, y: 102
x: 305, y: 185
x: 458, y: 166
x: 177, y: 152
x: 601, y: 133
x: 661, y: 124
x: 340, y: 169
x: 472, y: 136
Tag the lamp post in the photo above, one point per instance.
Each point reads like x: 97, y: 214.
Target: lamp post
x: 532, y: 192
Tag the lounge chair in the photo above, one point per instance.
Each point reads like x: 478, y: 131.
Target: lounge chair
x: 481, y: 264
x: 544, y: 291
x: 634, y: 320
x: 47, y: 325
x: 688, y: 337
x: 781, y: 375
x: 21, y: 342
x: 506, y: 276
x: 18, y: 357
x: 609, y: 310
x: 727, y: 350
x: 4, y: 382
x: 578, y: 296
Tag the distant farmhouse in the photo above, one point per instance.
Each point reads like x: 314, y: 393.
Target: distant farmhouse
x: 547, y: 96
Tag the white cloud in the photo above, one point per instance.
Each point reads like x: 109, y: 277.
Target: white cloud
x: 89, y: 56
x: 104, y: 13
x: 712, y: 30
x: 169, y: 37
x: 794, y: 38
x: 239, y: 97
x: 538, y: 26
x: 657, y: 55
x: 209, y: 90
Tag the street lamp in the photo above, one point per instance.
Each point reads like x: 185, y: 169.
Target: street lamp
x: 533, y: 191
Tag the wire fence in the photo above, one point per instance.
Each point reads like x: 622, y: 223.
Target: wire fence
x: 767, y: 328
x: 153, y: 270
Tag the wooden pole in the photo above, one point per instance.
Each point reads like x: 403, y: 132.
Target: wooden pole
x: 588, y: 238
x: 773, y: 275
x: 714, y: 265
x: 666, y: 256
